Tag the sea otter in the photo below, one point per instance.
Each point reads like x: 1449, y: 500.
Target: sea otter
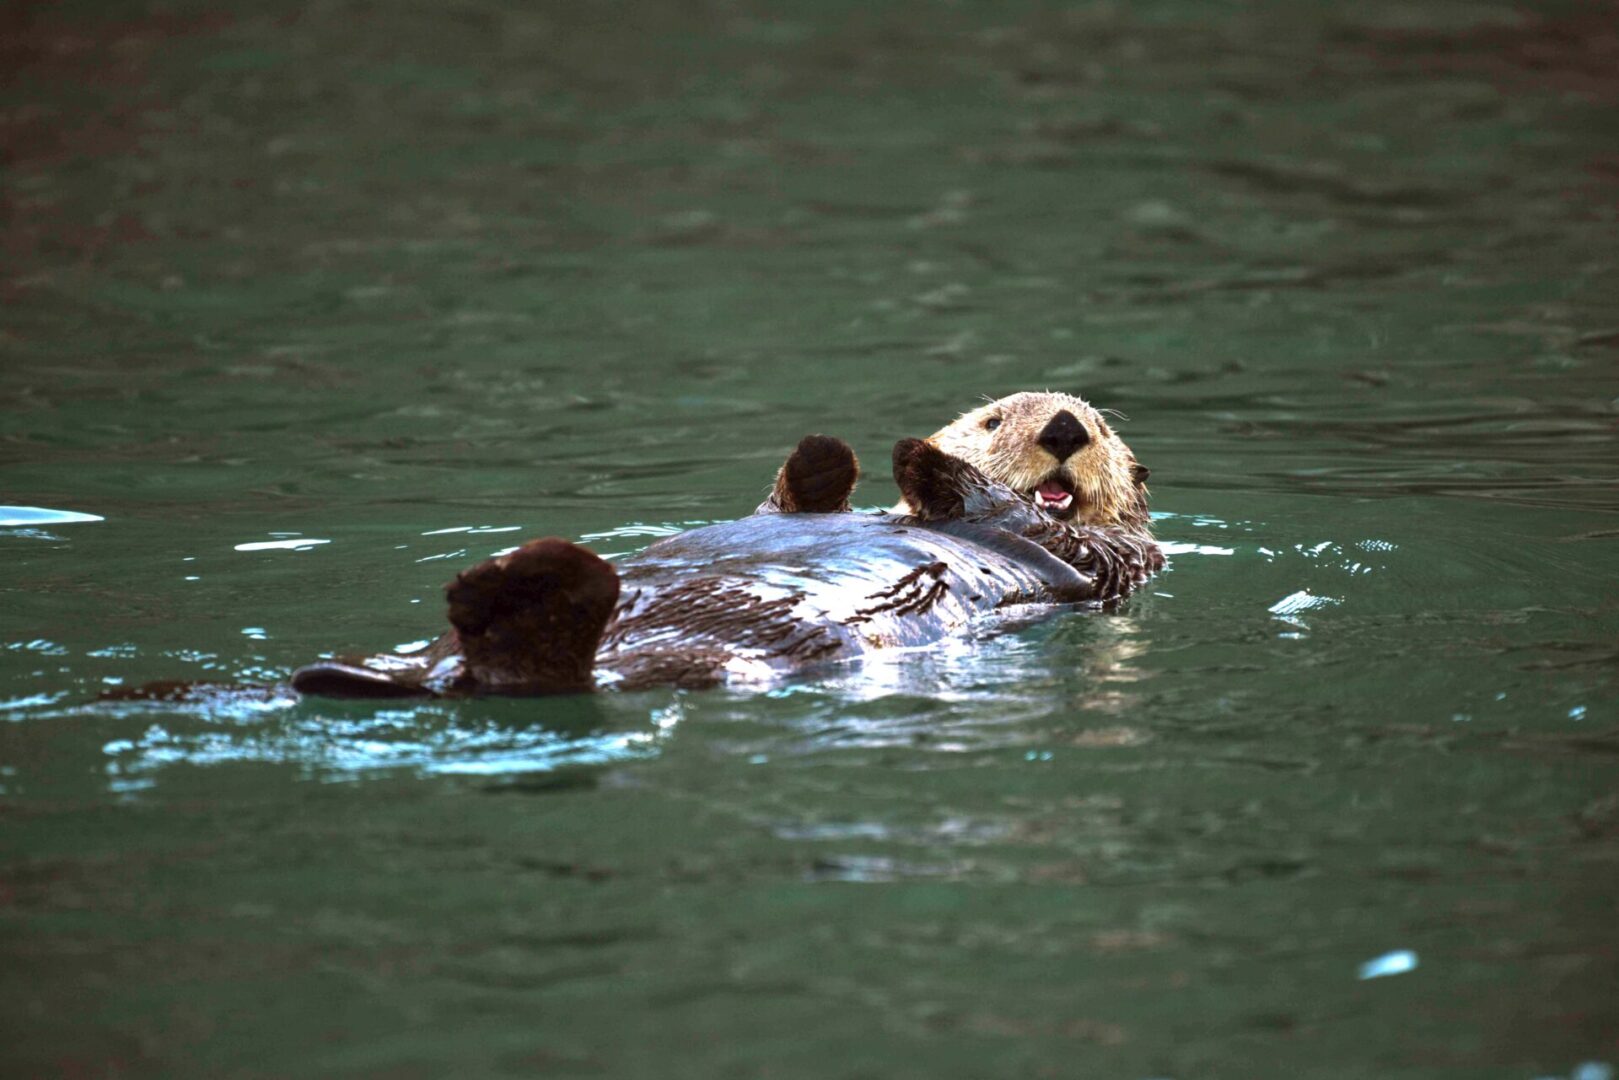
x: 1029, y: 499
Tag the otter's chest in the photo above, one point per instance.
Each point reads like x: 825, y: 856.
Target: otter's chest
x: 773, y: 593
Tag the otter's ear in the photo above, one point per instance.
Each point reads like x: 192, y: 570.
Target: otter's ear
x: 1139, y: 472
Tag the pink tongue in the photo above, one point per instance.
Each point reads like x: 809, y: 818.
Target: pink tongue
x: 1051, y: 491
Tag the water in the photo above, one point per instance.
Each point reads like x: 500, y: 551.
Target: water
x: 313, y: 306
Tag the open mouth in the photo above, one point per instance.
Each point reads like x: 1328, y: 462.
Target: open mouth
x: 1055, y: 497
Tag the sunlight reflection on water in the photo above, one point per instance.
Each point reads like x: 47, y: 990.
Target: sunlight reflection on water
x: 299, y: 544
x: 473, y: 529
x: 336, y: 749
x: 1398, y: 962
x: 24, y: 516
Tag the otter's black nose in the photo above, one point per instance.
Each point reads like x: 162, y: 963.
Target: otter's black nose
x: 1063, y: 435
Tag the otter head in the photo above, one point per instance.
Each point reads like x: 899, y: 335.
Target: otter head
x: 1059, y: 451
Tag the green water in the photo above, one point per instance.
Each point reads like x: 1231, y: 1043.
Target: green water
x: 422, y: 280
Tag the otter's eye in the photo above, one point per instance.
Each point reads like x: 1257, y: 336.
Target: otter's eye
x: 992, y: 423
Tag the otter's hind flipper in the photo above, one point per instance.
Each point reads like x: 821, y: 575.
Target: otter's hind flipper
x: 818, y: 478
x: 529, y: 621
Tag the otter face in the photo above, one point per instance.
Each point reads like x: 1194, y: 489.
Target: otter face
x: 1059, y: 451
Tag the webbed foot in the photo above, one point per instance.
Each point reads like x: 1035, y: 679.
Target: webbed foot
x: 529, y: 621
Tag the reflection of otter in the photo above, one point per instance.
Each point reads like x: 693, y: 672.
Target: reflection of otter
x: 804, y: 582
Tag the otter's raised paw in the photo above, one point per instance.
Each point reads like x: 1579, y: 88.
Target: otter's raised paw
x: 818, y: 478
x: 529, y: 621
x: 934, y: 484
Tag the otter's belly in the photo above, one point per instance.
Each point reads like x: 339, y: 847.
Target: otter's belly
x: 773, y: 593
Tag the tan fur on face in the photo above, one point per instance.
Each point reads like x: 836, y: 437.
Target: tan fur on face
x: 1103, y: 473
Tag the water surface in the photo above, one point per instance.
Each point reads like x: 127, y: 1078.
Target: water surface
x: 305, y: 308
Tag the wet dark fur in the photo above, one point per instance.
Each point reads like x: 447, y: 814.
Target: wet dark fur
x: 763, y: 597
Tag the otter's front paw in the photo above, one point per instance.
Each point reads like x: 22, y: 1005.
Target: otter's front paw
x: 933, y: 483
